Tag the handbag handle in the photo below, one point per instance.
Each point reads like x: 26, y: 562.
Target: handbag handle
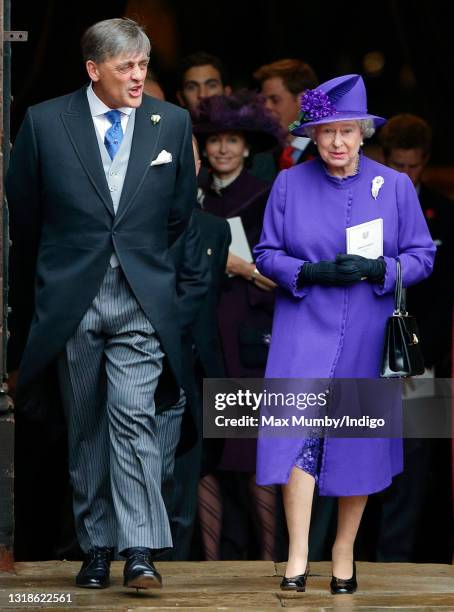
x: 399, y: 293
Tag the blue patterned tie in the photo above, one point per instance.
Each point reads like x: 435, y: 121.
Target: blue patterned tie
x: 114, y: 134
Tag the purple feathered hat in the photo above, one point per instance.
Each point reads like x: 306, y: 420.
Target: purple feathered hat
x: 341, y: 99
x: 243, y: 112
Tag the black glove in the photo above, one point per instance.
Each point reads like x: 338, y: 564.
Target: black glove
x: 327, y: 273
x: 372, y: 269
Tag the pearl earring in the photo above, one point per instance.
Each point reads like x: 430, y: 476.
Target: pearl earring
x: 246, y: 153
x: 361, y: 143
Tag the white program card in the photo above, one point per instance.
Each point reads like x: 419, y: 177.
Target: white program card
x: 239, y: 245
x: 366, y: 239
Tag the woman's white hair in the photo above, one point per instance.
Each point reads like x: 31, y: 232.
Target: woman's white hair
x: 366, y: 126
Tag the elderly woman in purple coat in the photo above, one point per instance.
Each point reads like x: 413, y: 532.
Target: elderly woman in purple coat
x: 331, y: 309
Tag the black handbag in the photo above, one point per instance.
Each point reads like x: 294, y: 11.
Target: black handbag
x: 402, y: 355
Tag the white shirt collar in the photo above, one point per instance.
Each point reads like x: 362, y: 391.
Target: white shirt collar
x: 97, y: 106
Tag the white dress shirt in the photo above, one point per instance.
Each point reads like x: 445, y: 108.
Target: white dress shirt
x: 102, y: 124
x: 98, y: 110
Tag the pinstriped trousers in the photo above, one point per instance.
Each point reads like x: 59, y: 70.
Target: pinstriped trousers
x: 168, y: 431
x: 108, y: 375
x: 180, y: 479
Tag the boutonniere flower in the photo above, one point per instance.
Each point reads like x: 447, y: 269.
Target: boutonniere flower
x: 377, y: 184
x: 155, y: 119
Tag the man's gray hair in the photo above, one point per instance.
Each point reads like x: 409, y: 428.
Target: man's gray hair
x: 113, y: 37
x: 366, y: 126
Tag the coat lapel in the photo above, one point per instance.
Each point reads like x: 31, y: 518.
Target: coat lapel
x: 143, y: 151
x: 81, y: 131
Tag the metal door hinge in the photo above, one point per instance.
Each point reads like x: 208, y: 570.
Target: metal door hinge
x: 15, y: 36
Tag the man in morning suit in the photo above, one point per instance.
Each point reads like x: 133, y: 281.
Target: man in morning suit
x: 101, y: 182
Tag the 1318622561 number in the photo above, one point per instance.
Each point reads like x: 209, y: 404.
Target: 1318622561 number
x: 39, y: 598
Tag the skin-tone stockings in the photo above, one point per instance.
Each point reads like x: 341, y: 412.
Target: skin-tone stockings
x: 297, y: 495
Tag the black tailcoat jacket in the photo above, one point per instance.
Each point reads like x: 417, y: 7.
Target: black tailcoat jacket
x: 64, y: 229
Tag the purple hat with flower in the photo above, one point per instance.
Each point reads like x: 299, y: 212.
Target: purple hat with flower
x: 243, y: 112
x: 341, y: 99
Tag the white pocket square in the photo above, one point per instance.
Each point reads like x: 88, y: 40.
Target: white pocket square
x: 163, y: 158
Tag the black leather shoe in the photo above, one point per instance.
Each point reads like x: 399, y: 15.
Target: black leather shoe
x: 339, y: 586
x: 139, y: 572
x: 95, y: 570
x: 295, y: 583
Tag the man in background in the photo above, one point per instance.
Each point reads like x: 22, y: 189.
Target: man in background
x: 415, y: 511
x: 406, y: 141
x: 201, y: 75
x: 282, y: 83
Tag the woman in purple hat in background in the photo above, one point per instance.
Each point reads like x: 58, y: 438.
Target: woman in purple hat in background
x: 230, y: 130
x: 331, y: 309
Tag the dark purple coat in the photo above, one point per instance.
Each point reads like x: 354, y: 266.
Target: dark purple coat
x: 335, y: 332
x: 241, y: 301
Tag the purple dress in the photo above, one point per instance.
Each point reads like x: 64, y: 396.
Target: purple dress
x: 336, y: 332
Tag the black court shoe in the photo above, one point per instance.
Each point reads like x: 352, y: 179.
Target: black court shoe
x: 295, y: 583
x: 139, y: 572
x: 339, y: 586
x: 95, y: 570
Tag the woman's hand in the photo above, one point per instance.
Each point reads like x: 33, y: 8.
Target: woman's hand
x: 237, y: 266
x: 372, y: 269
x: 262, y: 281
x: 328, y: 273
